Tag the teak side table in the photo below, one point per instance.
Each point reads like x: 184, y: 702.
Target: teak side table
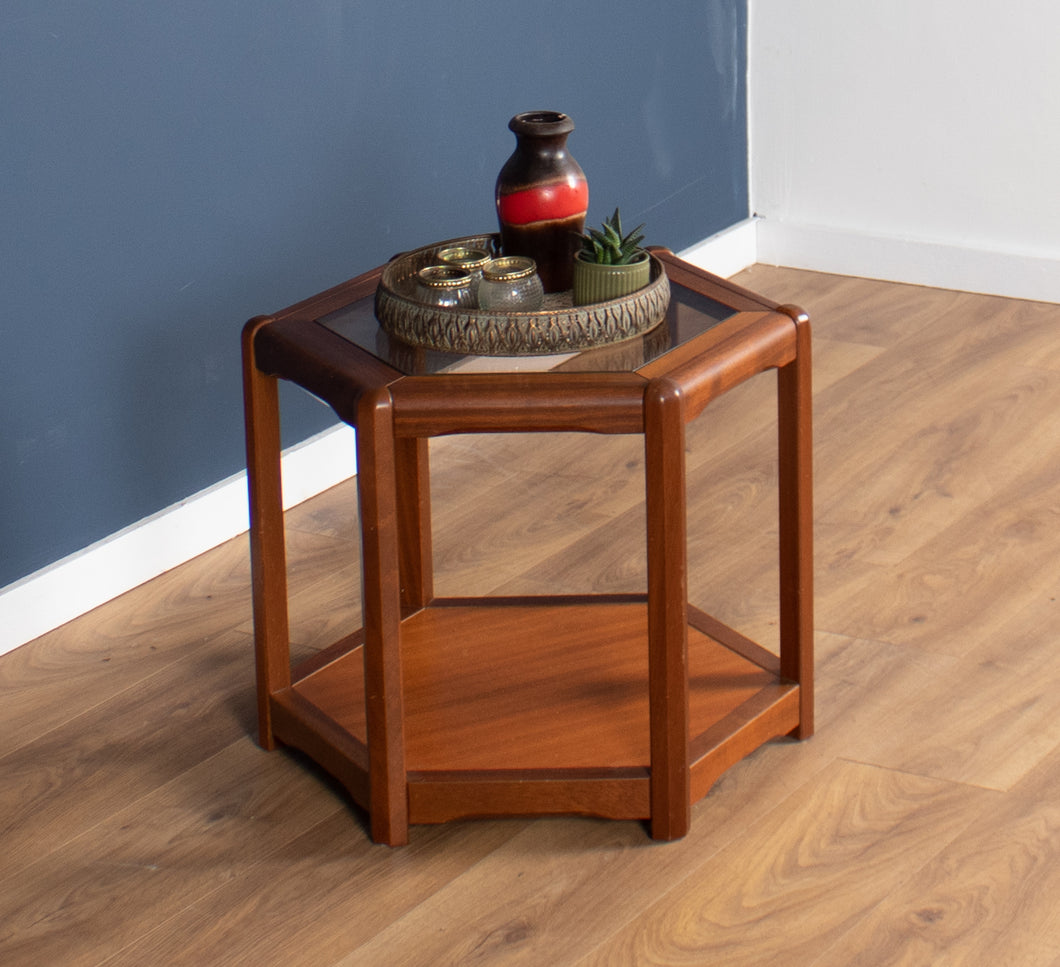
x: 625, y: 706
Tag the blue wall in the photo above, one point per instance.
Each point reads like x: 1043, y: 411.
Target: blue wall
x: 168, y: 170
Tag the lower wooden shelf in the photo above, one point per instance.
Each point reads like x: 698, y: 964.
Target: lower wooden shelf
x: 536, y: 706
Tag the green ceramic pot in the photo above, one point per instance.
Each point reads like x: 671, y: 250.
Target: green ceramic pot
x: 601, y: 283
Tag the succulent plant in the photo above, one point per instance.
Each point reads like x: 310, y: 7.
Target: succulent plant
x: 608, y: 246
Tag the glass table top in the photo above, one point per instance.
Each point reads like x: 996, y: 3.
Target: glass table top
x: 688, y: 315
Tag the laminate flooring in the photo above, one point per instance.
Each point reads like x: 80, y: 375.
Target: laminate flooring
x: 140, y: 824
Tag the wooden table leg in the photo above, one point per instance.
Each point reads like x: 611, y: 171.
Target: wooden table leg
x: 414, y: 522
x: 384, y: 701
x: 664, y: 446
x: 795, y: 435
x: 268, y: 560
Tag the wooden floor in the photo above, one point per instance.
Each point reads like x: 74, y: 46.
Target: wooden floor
x: 141, y: 825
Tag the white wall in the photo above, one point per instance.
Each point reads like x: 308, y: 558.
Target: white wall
x: 914, y: 139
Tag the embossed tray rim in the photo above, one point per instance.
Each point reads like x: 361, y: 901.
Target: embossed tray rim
x: 558, y: 327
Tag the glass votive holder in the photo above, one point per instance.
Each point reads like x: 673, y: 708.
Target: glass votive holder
x: 511, y: 282
x: 472, y: 259
x: 463, y: 257
x: 444, y: 285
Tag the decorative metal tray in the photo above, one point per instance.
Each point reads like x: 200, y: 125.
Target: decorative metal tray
x: 558, y: 327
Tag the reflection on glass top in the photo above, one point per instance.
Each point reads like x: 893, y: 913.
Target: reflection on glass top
x: 688, y: 315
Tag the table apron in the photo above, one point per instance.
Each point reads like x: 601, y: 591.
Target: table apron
x: 519, y: 403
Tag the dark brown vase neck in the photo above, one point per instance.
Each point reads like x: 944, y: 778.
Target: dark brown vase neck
x: 541, y: 124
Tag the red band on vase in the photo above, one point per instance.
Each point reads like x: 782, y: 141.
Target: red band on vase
x: 544, y: 203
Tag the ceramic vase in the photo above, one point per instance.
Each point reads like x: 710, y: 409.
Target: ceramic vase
x: 542, y: 197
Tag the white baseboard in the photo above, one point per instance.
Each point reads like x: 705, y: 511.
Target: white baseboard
x: 80, y: 582
x: 1014, y: 275
x: 1010, y: 274
x: 726, y: 253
